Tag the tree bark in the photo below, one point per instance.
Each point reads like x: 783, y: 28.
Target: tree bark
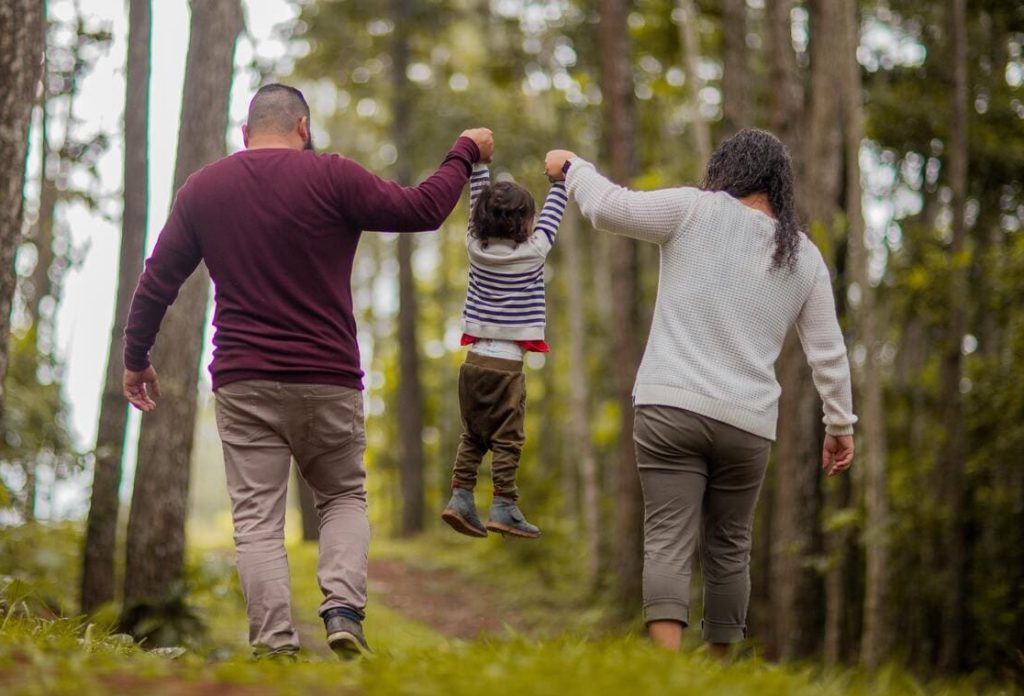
x: 797, y: 500
x: 619, y: 137
x: 579, y: 398
x: 689, y: 41
x: 875, y: 631
x: 42, y: 236
x: 156, y: 525
x: 794, y: 509
x: 951, y: 459
x: 736, y: 92
x: 784, y: 75
x: 786, y: 112
x: 410, y: 389
x: 21, y: 62
x: 101, y: 526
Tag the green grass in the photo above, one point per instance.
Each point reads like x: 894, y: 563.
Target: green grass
x: 64, y: 657
x: 40, y: 655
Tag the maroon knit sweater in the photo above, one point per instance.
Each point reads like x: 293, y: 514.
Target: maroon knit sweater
x: 278, y: 230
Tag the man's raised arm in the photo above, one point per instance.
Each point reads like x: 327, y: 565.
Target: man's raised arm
x: 372, y: 203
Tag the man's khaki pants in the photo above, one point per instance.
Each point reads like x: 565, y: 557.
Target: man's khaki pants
x: 262, y: 425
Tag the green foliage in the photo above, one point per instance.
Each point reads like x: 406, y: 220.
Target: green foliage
x: 39, y: 563
x: 35, y: 428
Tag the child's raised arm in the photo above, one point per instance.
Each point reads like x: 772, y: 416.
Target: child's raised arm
x: 550, y: 217
x: 479, y: 179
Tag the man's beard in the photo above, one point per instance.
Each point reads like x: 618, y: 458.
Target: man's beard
x: 309, y: 144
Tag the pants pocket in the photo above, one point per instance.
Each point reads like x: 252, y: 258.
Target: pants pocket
x: 236, y: 411
x: 332, y: 416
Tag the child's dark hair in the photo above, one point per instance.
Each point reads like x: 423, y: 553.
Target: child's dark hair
x: 502, y: 211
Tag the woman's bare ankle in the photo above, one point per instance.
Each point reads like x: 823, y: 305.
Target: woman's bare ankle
x: 667, y: 635
x: 720, y: 650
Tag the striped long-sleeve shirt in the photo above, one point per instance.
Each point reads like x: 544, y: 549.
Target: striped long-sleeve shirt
x: 505, y: 299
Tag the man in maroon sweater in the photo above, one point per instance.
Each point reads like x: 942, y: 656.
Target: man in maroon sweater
x: 278, y: 226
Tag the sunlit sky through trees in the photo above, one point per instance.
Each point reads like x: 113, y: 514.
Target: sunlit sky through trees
x: 86, y: 310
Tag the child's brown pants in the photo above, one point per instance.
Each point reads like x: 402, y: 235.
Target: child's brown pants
x: 492, y: 401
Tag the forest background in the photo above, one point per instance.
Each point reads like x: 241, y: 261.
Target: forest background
x: 904, y: 118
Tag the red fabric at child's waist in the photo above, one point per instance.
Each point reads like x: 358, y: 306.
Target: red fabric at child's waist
x: 529, y: 346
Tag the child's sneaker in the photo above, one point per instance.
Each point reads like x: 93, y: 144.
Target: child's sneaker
x: 506, y: 518
x: 460, y: 514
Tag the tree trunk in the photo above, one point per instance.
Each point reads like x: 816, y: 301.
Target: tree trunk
x: 101, y: 526
x: 784, y: 75
x: 786, y: 111
x: 836, y: 599
x: 951, y: 457
x: 448, y: 400
x: 875, y: 632
x: 21, y: 61
x: 689, y: 40
x: 794, y: 509
x: 822, y: 151
x: 156, y: 526
x: 797, y: 497
x: 736, y: 92
x: 619, y: 136
x: 410, y: 390
x: 579, y: 398
x: 42, y: 236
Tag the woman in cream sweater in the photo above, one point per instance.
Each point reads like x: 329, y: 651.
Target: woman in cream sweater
x: 737, y: 273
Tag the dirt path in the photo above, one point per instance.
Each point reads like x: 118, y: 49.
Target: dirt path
x: 442, y: 599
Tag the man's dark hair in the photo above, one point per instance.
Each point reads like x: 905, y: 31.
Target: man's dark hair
x: 503, y: 211
x: 276, y: 108
x: 755, y: 161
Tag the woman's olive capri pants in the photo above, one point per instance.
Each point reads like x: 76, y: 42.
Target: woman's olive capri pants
x: 700, y: 479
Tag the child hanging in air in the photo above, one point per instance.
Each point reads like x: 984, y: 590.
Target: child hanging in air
x: 502, y: 320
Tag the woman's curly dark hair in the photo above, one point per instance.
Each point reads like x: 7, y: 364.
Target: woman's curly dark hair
x: 755, y: 161
x: 503, y: 211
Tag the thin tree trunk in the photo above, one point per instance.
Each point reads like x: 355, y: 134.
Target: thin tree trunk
x: 21, y: 61
x: 448, y: 398
x: 952, y: 455
x: 822, y: 159
x: 736, y: 93
x: 786, y: 112
x: 794, y: 508
x: 410, y: 390
x: 620, y: 132
x: 875, y: 632
x: 101, y: 527
x: 836, y: 600
x: 797, y: 497
x: 156, y: 525
x: 689, y: 40
x: 42, y: 237
x: 579, y: 397
x: 784, y: 75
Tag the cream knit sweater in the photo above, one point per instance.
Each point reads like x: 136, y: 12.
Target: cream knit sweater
x: 722, y: 312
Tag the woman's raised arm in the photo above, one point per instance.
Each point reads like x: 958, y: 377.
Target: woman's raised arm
x: 650, y: 216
